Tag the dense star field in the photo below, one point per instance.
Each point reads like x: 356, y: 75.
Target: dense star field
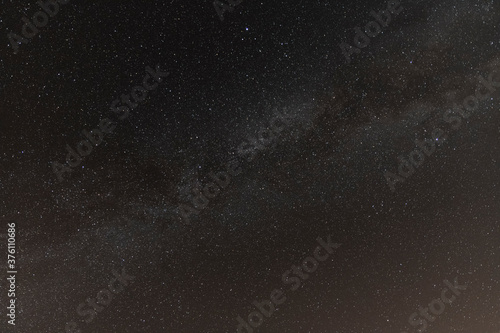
x: 243, y: 166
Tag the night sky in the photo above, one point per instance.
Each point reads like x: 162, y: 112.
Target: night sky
x: 234, y: 150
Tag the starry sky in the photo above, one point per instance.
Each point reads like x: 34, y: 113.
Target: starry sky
x: 344, y: 126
